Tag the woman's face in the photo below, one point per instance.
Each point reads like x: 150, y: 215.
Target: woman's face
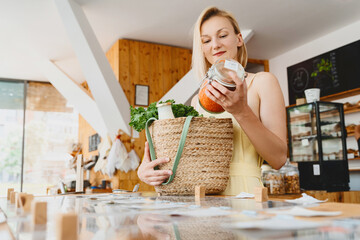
x: 219, y: 40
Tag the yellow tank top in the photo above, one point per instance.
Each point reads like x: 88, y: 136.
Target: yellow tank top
x: 245, y: 167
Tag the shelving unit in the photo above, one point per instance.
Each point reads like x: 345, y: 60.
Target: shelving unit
x: 317, y: 142
x: 348, y: 110
x: 354, y: 109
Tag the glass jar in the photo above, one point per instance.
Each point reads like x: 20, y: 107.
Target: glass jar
x: 219, y: 72
x: 273, y: 180
x: 165, y: 110
x: 292, y: 180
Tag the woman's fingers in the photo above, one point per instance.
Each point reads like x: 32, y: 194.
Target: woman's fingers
x: 212, y: 97
x: 158, y: 179
x: 235, y: 78
x: 155, y: 183
x: 147, y: 157
x: 159, y: 173
x: 220, y: 88
x: 158, y: 161
x: 212, y: 92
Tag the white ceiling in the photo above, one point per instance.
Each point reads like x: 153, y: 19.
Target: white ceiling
x: 279, y: 25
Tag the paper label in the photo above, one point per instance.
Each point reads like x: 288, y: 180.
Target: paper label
x: 305, y: 142
x: 316, y: 169
x: 231, y: 65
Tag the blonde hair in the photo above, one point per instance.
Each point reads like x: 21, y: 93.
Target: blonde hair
x: 200, y: 64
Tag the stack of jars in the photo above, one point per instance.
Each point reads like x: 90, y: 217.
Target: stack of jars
x: 284, y: 181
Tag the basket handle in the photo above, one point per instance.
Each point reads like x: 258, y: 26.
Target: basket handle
x: 180, y: 148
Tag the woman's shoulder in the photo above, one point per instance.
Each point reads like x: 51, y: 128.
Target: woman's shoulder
x: 264, y: 76
x: 264, y: 80
x: 266, y: 84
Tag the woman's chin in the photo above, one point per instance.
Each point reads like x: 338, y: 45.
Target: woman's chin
x: 217, y: 58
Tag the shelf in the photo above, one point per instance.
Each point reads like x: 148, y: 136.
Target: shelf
x: 353, y: 109
x: 354, y: 169
x: 312, y: 137
x: 309, y: 137
x: 357, y: 158
x: 308, y: 124
x: 349, y: 110
x: 350, y: 134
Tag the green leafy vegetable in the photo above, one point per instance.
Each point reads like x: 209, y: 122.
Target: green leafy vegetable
x: 140, y: 115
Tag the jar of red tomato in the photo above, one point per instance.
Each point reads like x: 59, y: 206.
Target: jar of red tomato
x: 219, y: 72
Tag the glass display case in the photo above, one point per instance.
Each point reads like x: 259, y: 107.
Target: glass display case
x: 317, y: 142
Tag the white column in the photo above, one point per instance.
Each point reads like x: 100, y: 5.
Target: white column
x: 108, y: 94
x: 74, y: 94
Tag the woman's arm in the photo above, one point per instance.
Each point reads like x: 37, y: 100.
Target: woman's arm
x: 267, y: 134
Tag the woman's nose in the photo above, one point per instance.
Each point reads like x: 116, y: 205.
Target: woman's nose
x: 216, y: 43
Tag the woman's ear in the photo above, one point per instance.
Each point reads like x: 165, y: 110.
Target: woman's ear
x: 240, y: 40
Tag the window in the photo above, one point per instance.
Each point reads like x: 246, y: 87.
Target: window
x: 51, y: 127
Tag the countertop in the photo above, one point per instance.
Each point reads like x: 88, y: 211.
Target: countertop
x: 147, y: 216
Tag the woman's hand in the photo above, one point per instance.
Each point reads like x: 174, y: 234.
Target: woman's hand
x: 146, y: 171
x: 232, y: 101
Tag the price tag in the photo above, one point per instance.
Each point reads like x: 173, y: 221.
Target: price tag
x: 305, y: 142
x: 316, y: 169
x: 231, y: 65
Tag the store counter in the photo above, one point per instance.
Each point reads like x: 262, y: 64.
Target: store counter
x: 147, y: 216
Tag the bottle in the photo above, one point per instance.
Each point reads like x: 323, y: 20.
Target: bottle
x: 165, y: 110
x: 219, y: 72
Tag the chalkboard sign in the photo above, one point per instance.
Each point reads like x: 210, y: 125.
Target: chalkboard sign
x: 333, y: 72
x: 94, y: 141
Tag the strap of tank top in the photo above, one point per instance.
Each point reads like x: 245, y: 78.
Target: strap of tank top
x: 251, y: 81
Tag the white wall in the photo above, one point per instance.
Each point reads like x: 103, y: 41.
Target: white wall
x: 316, y: 47
x: 338, y: 38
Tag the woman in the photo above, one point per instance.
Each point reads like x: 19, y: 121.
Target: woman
x: 256, y: 106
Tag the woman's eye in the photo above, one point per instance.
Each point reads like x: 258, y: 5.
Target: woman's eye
x: 206, y: 41
x: 223, y: 36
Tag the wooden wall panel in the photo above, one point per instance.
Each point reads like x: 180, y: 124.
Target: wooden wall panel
x: 113, y: 57
x: 134, y: 63
x: 166, y: 68
x: 155, y: 81
x: 158, y: 66
x: 145, y: 63
x: 175, y: 63
x: 124, y: 69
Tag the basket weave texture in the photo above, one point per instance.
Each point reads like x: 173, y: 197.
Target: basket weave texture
x: 206, y: 155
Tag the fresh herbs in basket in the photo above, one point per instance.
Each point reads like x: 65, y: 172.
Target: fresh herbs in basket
x: 140, y: 115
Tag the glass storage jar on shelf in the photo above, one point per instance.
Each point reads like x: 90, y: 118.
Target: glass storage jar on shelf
x: 274, y: 182
x: 290, y: 174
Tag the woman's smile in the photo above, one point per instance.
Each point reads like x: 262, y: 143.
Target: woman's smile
x: 218, y: 54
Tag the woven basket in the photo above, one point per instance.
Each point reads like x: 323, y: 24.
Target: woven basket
x: 200, y: 228
x: 206, y: 156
